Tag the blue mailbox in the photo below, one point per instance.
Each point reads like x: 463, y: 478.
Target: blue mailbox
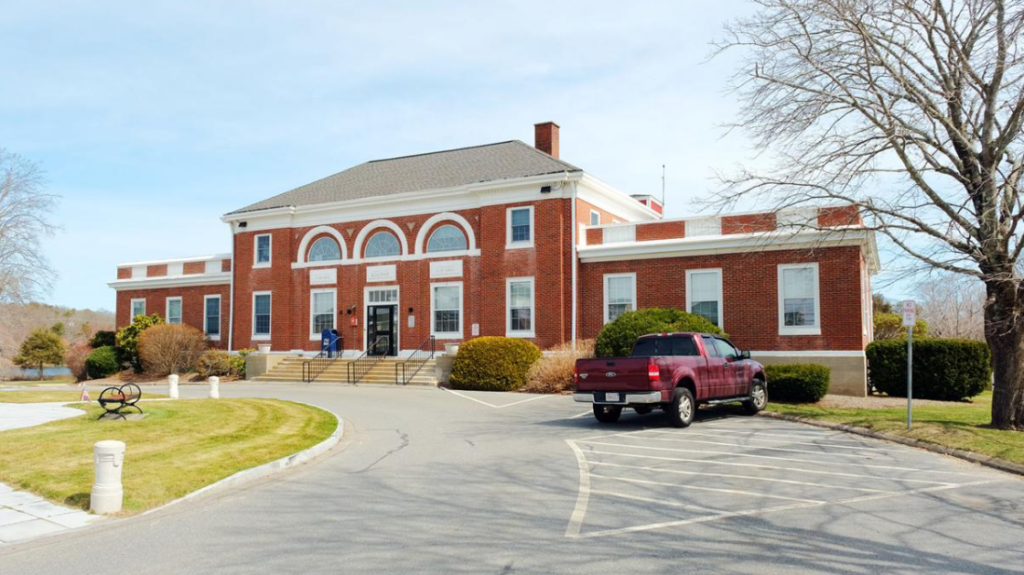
x: 329, y: 342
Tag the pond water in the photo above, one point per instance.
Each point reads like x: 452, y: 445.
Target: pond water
x: 20, y: 373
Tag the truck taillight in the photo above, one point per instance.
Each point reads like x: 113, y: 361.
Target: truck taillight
x: 653, y: 373
x: 575, y: 373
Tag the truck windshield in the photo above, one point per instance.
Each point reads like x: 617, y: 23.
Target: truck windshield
x: 653, y: 346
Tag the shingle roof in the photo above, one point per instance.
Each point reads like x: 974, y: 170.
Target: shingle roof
x: 436, y: 170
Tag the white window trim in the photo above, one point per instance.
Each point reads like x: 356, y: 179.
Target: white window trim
x: 220, y: 317
x: 509, y: 244
x: 595, y: 213
x: 462, y: 313
x: 131, y: 308
x: 509, y: 332
x: 266, y: 336
x: 721, y: 299
x: 631, y: 276
x: 256, y: 251
x: 315, y: 336
x: 167, y: 310
x: 799, y: 330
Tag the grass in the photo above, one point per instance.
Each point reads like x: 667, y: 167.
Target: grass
x: 179, y: 447
x: 59, y: 380
x: 958, y: 425
x: 56, y: 396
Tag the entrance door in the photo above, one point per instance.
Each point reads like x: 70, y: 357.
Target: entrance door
x: 380, y: 323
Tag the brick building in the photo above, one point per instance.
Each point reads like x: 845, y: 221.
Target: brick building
x: 509, y: 239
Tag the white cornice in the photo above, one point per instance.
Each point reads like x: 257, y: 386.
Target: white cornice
x: 177, y: 260
x: 608, y: 198
x: 172, y: 281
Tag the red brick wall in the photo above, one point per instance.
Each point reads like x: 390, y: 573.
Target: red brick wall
x: 660, y: 231
x: 839, y: 216
x: 192, y: 306
x: 750, y: 293
x: 191, y: 268
x: 156, y: 270
x: 748, y: 224
x: 124, y: 273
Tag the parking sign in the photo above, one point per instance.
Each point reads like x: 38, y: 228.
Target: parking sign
x: 909, y: 313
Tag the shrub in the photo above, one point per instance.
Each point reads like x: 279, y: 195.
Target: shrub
x: 102, y: 338
x: 41, y: 347
x: 214, y: 362
x: 238, y: 362
x: 890, y: 326
x: 102, y: 362
x: 493, y: 364
x: 165, y: 349
x: 128, y: 338
x: 944, y: 369
x: 553, y: 372
x: 617, y: 338
x: 797, y: 383
x: 74, y: 359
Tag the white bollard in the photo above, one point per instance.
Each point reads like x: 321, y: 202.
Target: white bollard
x: 172, y: 386
x: 214, y: 387
x: 107, y: 493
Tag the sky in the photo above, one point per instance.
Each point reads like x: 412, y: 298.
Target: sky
x: 152, y: 119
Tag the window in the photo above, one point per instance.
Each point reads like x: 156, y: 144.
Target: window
x: 173, y: 315
x: 211, y: 319
x: 389, y: 295
x: 799, y: 305
x: 138, y: 307
x: 704, y: 294
x: 656, y: 346
x: 447, y: 238
x: 520, y: 227
x: 726, y: 349
x: 321, y: 311
x: 324, y: 250
x: 446, y: 310
x: 261, y: 315
x: 619, y: 295
x: 595, y: 218
x: 519, y: 299
x: 382, y: 245
x: 710, y: 347
x: 262, y: 251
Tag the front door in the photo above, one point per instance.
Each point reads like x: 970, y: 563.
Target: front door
x: 381, y: 330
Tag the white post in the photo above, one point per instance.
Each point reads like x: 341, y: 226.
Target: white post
x: 214, y: 387
x: 107, y: 492
x: 172, y: 386
x: 909, y: 320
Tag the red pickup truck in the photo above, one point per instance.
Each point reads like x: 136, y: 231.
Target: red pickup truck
x: 674, y: 371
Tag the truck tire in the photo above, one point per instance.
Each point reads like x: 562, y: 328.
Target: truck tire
x: 682, y: 409
x: 758, y: 397
x: 607, y: 413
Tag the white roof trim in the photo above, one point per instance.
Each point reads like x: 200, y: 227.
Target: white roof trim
x: 172, y: 281
x: 177, y: 260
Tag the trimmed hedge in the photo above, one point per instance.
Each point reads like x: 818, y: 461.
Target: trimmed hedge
x: 102, y: 362
x: 493, y: 364
x: 797, y: 382
x: 944, y: 369
x: 617, y: 338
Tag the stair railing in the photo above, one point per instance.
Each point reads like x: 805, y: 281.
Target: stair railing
x: 312, y: 368
x: 362, y: 365
x: 406, y: 370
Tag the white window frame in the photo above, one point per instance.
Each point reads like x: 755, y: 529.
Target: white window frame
x: 220, y: 317
x: 595, y: 213
x: 263, y: 336
x: 509, y: 332
x: 131, y: 308
x: 721, y: 299
x: 315, y: 336
x: 256, y: 263
x: 509, y: 244
x: 631, y: 276
x: 167, y: 310
x: 462, y: 312
x: 803, y: 329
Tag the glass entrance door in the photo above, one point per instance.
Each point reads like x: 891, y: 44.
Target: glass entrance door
x: 381, y: 323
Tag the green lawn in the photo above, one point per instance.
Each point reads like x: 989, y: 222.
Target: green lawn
x: 61, y: 396
x: 60, y: 380
x: 958, y: 425
x: 178, y: 448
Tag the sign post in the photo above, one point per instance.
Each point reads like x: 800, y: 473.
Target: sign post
x: 909, y: 319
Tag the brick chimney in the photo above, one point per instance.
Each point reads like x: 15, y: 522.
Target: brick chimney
x: 545, y: 138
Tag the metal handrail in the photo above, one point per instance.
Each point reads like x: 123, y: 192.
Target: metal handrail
x: 362, y: 365
x: 312, y: 368
x: 402, y: 377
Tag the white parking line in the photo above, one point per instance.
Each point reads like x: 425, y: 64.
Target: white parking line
x: 829, y: 436
x: 579, y: 415
x: 756, y: 437
x: 453, y: 392
x: 659, y: 502
x: 715, y: 489
x: 684, y: 439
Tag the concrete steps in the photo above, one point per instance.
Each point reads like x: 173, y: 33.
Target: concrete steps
x: 290, y: 370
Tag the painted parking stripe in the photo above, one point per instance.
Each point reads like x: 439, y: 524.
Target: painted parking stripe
x: 665, y: 502
x: 482, y: 402
x: 756, y: 437
x: 683, y: 439
x: 714, y: 489
x: 834, y: 438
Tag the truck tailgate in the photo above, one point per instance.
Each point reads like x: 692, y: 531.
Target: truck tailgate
x: 613, y: 374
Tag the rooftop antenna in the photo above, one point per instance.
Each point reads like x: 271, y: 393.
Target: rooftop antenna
x: 663, y: 187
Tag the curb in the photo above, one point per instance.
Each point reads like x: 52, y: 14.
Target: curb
x: 986, y: 460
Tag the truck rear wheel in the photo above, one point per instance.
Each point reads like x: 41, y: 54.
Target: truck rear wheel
x: 607, y: 413
x: 682, y: 409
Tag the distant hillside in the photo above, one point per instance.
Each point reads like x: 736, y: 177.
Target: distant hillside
x: 17, y: 320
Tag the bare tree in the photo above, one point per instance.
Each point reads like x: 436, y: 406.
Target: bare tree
x: 953, y: 305
x: 24, y: 208
x: 911, y: 110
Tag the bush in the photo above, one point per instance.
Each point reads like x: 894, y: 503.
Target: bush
x: 214, y: 362
x: 238, y: 362
x: 74, y: 359
x: 41, y: 347
x: 165, y: 349
x: 617, y: 338
x: 797, y: 383
x: 944, y: 369
x: 553, y: 372
x: 103, y: 338
x: 102, y: 362
x: 128, y: 338
x: 890, y: 326
x: 493, y: 364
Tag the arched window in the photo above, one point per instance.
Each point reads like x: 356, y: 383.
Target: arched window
x: 382, y: 245
x: 447, y: 238
x: 324, y: 249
